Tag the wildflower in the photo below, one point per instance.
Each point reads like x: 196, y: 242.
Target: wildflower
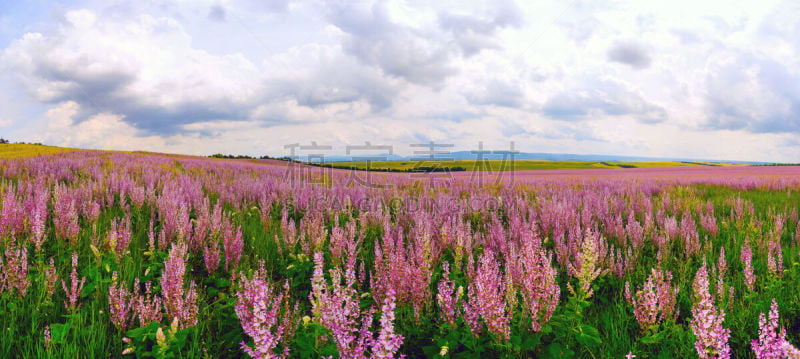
x: 211, y: 257
x: 180, y: 303
x: 75, y: 288
x: 540, y: 291
x: 747, y: 261
x: 336, y: 308
x: 447, y: 298
x: 586, y: 266
x: 774, y: 257
x: 655, y: 301
x: 47, y: 339
x: 706, y: 322
x: 38, y: 220
x: 487, y: 296
x: 65, y: 213
x: 691, y: 240
x: 119, y: 236
x: 388, y: 342
x: 120, y: 303
x: 232, y: 243
x: 772, y: 343
x: 16, y: 268
x: 161, y: 339
x: 265, y: 315
x: 146, y: 306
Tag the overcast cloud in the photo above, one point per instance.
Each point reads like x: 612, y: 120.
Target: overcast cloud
x: 716, y: 80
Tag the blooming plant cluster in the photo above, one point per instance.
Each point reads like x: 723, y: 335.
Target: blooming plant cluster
x: 178, y: 256
x: 654, y: 302
x: 772, y: 343
x: 265, y: 315
x: 707, y: 321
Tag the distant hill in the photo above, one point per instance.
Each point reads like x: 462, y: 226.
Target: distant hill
x: 469, y: 156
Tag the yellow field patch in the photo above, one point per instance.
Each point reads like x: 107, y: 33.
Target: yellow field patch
x: 21, y: 150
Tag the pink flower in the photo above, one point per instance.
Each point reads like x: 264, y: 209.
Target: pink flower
x: 74, y: 291
x: 11, y: 215
x: 65, y: 213
x: 211, y: 257
x: 119, y: 236
x: 120, y: 303
x: 691, y: 240
x: 38, y: 218
x: 772, y: 343
x: 146, y: 306
x: 447, y: 297
x: 540, y: 291
x: 16, y: 268
x: 774, y: 257
x: 50, y: 279
x: 265, y: 315
x: 487, y: 296
x: 232, y: 243
x: 706, y: 322
x: 336, y: 308
x: 388, y: 342
x: 655, y: 301
x: 401, y: 268
x: 47, y: 339
x: 747, y: 261
x: 180, y: 303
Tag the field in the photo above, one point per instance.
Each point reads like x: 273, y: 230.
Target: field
x: 499, y: 165
x: 110, y: 254
x: 20, y: 150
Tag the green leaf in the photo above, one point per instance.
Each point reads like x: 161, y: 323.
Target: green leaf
x: 654, y: 338
x: 555, y: 350
x: 58, y: 332
x: 588, y: 335
x: 431, y: 351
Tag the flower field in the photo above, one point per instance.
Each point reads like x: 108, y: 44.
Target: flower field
x: 141, y: 255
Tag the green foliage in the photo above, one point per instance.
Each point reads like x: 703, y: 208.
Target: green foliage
x: 153, y: 341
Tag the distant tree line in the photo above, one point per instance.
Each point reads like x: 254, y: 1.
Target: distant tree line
x: 620, y: 165
x: 423, y: 169
x: 4, y: 141
x: 701, y: 163
x: 246, y: 157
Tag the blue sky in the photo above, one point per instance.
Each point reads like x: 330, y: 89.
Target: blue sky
x: 712, y: 79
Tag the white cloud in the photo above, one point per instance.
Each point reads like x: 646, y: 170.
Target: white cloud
x: 205, y: 76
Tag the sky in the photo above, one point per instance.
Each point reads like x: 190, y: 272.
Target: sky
x: 690, y: 79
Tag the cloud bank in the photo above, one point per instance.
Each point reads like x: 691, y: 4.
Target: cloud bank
x: 690, y: 80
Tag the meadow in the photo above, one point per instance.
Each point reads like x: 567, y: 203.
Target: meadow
x: 108, y: 254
